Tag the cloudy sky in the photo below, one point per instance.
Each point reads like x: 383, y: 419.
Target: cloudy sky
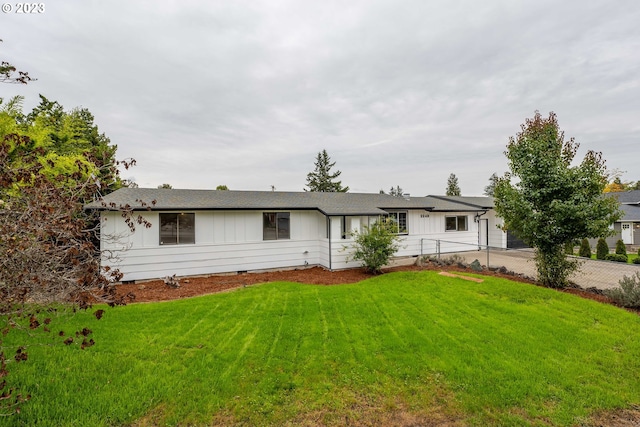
x: 399, y: 92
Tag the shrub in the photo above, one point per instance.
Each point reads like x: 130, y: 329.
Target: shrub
x: 568, y: 248
x: 637, y: 260
x: 628, y: 294
x: 375, y: 245
x: 585, y: 249
x: 621, y: 249
x: 602, y: 249
x: 616, y: 257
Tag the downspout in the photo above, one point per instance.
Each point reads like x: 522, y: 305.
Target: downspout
x: 329, y: 236
x: 477, y: 220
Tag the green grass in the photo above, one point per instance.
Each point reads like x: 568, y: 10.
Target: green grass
x: 496, y: 353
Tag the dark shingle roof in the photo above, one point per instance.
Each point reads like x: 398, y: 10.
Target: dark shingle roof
x: 628, y: 197
x: 327, y: 203
x: 631, y: 213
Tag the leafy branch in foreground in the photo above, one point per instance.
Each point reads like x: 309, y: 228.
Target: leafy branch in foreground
x: 49, y: 249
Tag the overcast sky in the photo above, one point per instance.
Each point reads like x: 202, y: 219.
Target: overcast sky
x: 246, y: 93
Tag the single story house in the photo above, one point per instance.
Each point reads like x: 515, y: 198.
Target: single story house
x: 207, y: 231
x: 628, y: 227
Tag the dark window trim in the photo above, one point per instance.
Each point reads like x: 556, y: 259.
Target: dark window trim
x: 177, y: 229
x: 279, y: 233
x: 457, y: 218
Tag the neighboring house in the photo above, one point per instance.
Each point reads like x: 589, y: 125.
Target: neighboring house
x: 206, y: 231
x: 628, y: 227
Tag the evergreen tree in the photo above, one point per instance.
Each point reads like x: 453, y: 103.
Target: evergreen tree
x: 490, y: 189
x: 602, y: 249
x: 453, y: 189
x: 397, y: 191
x: 321, y: 179
x: 585, y: 249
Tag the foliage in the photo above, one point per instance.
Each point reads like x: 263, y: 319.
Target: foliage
x: 293, y: 354
x: 628, y: 294
x: 602, y: 249
x: 222, y: 188
x: 397, y: 191
x: 637, y: 260
x: 8, y: 74
x: 585, y: 249
x: 165, y: 186
x: 490, y: 189
x: 568, y: 248
x: 615, y: 186
x: 376, y: 245
x: 51, y: 164
x: 453, y: 189
x: 321, y: 179
x: 621, y: 248
x: 552, y: 202
x: 616, y: 257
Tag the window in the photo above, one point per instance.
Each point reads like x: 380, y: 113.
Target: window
x: 400, y: 219
x: 455, y: 223
x: 177, y: 228
x: 275, y: 225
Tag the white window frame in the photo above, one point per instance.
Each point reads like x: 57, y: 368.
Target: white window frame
x: 395, y: 216
x: 457, y: 223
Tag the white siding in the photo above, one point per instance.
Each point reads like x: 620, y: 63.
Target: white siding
x: 230, y: 241
x: 225, y: 242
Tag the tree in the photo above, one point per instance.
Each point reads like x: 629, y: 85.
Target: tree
x: 376, y: 245
x: 615, y: 186
x: 8, y: 74
x: 51, y: 164
x: 453, y: 189
x: 585, y: 249
x: 397, y: 191
x: 552, y: 202
x: 602, y: 249
x: 222, y: 188
x: 321, y: 179
x: 490, y: 189
x: 165, y: 186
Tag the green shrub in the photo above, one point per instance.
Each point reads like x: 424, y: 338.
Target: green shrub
x: 602, y: 249
x: 616, y: 257
x: 375, y: 245
x: 585, y: 249
x: 638, y: 251
x: 568, y: 248
x: 621, y: 249
x: 637, y: 260
x: 628, y: 294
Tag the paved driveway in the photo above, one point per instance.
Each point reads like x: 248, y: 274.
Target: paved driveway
x: 592, y: 273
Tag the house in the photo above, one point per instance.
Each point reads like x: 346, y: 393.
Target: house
x: 628, y: 227
x: 208, y: 231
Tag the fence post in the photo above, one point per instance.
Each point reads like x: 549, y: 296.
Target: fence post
x: 487, y: 257
x: 421, y: 251
x: 438, y: 248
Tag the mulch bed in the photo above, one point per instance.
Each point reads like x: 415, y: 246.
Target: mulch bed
x: 157, y: 290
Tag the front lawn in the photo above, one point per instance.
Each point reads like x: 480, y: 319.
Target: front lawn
x: 412, y: 346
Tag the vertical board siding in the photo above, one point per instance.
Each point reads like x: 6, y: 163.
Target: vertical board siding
x: 229, y: 241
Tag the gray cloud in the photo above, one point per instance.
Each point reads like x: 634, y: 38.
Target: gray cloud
x: 399, y: 93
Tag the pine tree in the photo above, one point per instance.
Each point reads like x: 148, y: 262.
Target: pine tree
x: 453, y: 189
x: 491, y: 188
x: 585, y: 249
x: 396, y: 191
x: 602, y: 249
x: 321, y: 179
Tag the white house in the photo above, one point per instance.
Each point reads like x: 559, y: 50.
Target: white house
x: 206, y: 231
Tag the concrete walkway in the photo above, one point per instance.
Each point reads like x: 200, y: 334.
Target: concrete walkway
x: 592, y: 273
